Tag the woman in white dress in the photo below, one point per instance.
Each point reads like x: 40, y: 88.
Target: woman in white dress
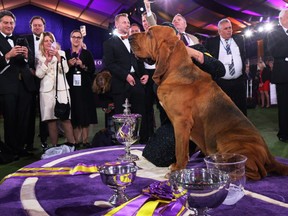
x: 47, y: 60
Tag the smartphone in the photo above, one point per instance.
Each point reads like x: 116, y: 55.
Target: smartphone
x: 53, y: 45
x: 21, y: 42
x: 83, y: 30
x: 74, y: 55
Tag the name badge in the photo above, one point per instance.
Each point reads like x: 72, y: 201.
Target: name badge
x: 227, y: 59
x: 76, y: 79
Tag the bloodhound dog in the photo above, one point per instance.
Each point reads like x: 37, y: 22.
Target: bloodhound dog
x: 197, y: 107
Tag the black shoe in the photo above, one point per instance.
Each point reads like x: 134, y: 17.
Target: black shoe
x: 29, y: 149
x: 16, y: 157
x: 44, y: 146
x: 76, y: 146
x: 25, y: 153
x: 283, y: 139
x: 86, y: 145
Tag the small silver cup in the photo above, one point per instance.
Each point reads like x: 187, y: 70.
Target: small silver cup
x: 118, y: 176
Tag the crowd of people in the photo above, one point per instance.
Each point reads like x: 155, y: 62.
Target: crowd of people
x: 28, y: 77
x: 35, y: 72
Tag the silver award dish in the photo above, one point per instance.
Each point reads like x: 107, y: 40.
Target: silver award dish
x: 200, y: 189
x: 118, y: 176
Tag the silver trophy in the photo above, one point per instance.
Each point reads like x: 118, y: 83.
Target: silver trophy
x: 127, y: 126
x: 118, y: 176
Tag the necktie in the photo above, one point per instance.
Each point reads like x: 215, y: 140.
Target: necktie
x: 183, y: 38
x: 37, y: 38
x: 9, y: 37
x: 231, y: 66
x: 123, y: 37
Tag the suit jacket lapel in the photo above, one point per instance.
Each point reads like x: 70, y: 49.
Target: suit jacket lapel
x: 217, y: 47
x: 122, y: 44
x: 30, y: 39
x: 4, y: 45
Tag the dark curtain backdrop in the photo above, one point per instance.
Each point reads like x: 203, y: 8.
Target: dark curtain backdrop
x: 61, y: 27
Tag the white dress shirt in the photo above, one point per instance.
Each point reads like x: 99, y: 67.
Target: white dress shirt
x: 127, y: 44
x: 224, y: 58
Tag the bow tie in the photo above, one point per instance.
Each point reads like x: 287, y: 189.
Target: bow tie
x: 37, y: 38
x: 9, y: 37
x: 123, y: 37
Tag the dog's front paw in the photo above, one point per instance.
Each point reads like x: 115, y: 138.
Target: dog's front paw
x: 167, y: 175
x: 173, y: 167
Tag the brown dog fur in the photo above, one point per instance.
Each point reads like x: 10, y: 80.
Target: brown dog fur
x: 198, y: 109
x: 102, y: 82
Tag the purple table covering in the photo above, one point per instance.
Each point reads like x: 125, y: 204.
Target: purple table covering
x: 76, y: 195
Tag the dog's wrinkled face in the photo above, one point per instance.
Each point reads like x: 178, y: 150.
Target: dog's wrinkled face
x: 158, y: 43
x: 146, y: 45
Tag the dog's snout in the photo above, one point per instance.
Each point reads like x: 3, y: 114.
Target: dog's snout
x: 130, y: 38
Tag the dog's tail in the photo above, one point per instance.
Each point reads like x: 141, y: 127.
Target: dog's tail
x: 277, y: 168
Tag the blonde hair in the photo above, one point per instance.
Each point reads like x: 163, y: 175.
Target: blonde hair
x: 120, y: 15
x: 41, y: 43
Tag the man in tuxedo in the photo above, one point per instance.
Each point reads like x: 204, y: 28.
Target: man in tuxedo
x: 16, y: 85
x: 128, y: 75
x: 278, y: 47
x: 37, y: 25
x: 230, y: 50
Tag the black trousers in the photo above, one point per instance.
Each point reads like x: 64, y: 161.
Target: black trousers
x: 236, y: 90
x: 151, y: 98
x: 25, y: 109
x: 282, y: 101
x: 136, y: 97
x: 16, y: 112
x: 9, y: 111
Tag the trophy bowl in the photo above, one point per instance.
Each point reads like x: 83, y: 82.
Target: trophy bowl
x: 200, y: 189
x: 234, y: 166
x: 127, y: 128
x: 118, y: 176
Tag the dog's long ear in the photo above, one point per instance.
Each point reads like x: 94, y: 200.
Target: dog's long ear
x: 164, y: 51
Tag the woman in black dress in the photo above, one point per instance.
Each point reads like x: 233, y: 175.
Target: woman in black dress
x: 80, y: 77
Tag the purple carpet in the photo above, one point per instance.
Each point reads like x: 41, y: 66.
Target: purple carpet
x: 87, y: 195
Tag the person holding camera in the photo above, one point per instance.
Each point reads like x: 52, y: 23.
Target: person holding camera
x: 50, y: 61
x: 16, y: 84
x: 80, y: 78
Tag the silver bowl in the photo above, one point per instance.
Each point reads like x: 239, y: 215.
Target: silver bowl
x: 234, y: 165
x: 118, y: 176
x: 200, y: 189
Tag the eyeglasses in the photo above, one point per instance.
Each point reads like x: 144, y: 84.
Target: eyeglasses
x: 74, y: 37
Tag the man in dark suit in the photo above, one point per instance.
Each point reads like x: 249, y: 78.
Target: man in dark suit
x: 278, y: 47
x: 230, y: 50
x: 37, y: 25
x: 128, y: 75
x: 16, y: 84
x: 180, y: 24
